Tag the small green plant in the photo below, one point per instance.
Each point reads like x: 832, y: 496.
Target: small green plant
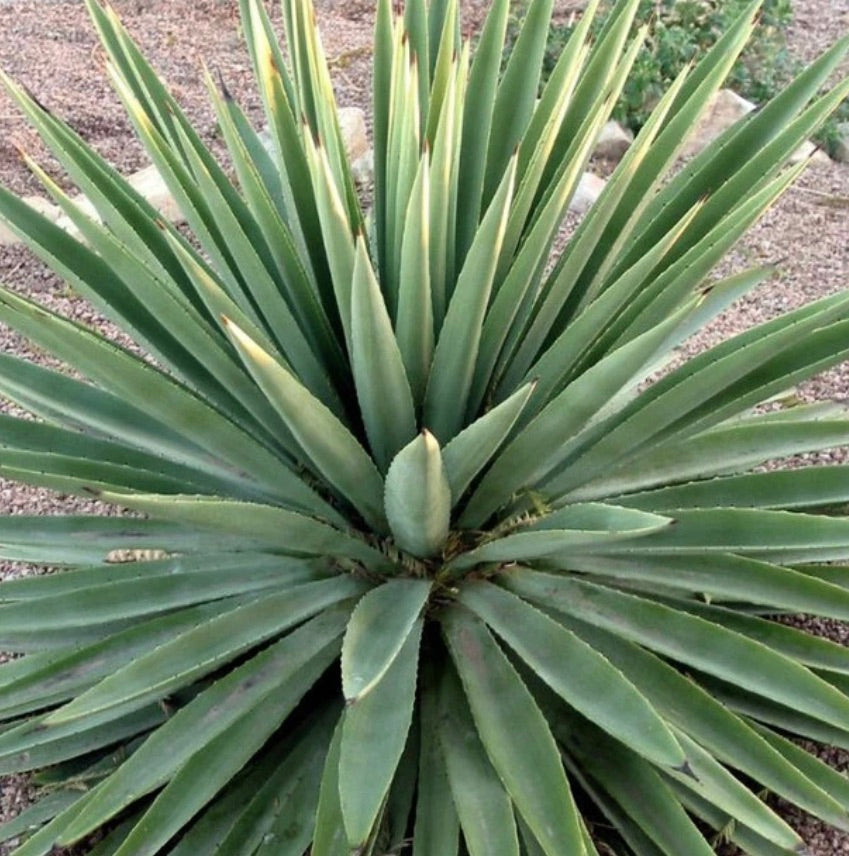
x: 680, y: 31
x: 419, y: 561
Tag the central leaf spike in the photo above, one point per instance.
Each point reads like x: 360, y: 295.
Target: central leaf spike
x: 418, y: 497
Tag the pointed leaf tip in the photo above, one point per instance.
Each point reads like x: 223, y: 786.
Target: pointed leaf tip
x: 418, y: 497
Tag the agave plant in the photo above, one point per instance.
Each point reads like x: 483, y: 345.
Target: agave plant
x: 428, y: 554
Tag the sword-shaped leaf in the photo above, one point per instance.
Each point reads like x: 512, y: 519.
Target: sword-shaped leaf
x: 581, y: 676
x: 328, y: 445
x: 383, y: 391
x: 514, y: 733
x: 208, y: 645
x: 483, y: 806
x: 374, y: 733
x: 379, y: 627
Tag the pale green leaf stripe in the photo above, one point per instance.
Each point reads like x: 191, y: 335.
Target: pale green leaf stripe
x: 456, y: 351
x: 329, y: 837
x: 727, y: 448
x: 726, y: 576
x: 581, y: 676
x: 374, y: 733
x: 514, y: 734
x: 116, y: 601
x: 296, y: 661
x: 780, y: 489
x: 336, y: 231
x: 686, y: 104
x: 125, y: 290
x: 687, y: 639
x: 329, y: 445
x: 207, y: 646
x: 483, y: 806
x: 274, y: 527
x: 436, y: 831
x: 383, y: 391
x: 472, y: 449
x: 128, y: 377
x: 215, y: 763
x: 684, y: 703
x: 379, y: 627
x: 418, y: 497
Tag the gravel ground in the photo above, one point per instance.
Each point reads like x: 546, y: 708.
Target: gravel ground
x: 50, y: 47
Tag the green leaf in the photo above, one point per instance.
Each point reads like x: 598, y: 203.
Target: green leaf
x: 477, y: 124
x: 379, y: 627
x: 514, y: 734
x: 456, y: 351
x: 581, y: 676
x: 483, y: 806
x: 207, y: 646
x: 576, y: 528
x: 280, y: 675
x: 473, y: 448
x: 684, y: 703
x: 329, y: 837
x: 414, y: 323
x: 687, y: 639
x: 418, y: 497
x: 383, y: 390
x: 328, y: 444
x: 283, y: 530
x: 436, y: 830
x: 374, y: 733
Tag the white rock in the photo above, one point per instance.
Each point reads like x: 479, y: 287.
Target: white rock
x: 40, y: 204
x: 363, y: 168
x: 841, y: 149
x: 725, y: 108
x: 150, y: 184
x: 588, y: 191
x: 809, y: 150
x: 613, y: 141
x: 352, y: 122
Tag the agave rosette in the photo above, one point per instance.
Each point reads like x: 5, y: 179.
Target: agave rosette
x: 418, y: 445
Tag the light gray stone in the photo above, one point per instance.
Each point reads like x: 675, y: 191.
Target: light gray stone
x: 589, y: 189
x: 725, y: 108
x: 352, y: 122
x: 613, y: 141
x: 809, y: 150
